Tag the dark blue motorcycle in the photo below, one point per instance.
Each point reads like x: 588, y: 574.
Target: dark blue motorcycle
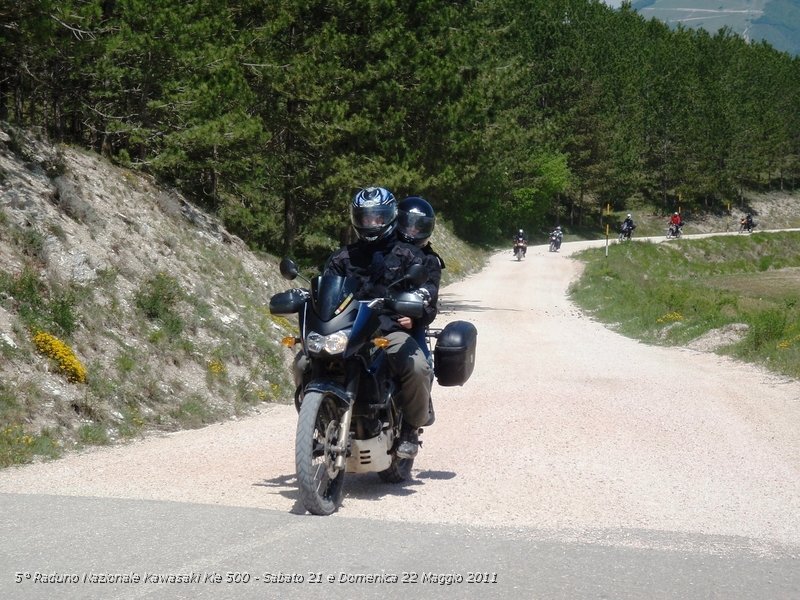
x: 348, y: 415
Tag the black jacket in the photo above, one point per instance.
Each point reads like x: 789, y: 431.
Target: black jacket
x: 377, y: 265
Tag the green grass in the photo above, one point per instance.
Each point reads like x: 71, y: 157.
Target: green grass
x: 17, y: 446
x: 41, y: 306
x: 673, y: 293
x: 194, y: 412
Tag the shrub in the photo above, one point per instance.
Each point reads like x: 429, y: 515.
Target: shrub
x: 17, y: 446
x: 766, y: 327
x: 94, y: 434
x: 35, y: 309
x: 67, y: 362
x: 157, y: 299
x: 158, y: 296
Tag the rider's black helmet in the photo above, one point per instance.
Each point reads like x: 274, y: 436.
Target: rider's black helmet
x: 373, y: 213
x: 415, y: 220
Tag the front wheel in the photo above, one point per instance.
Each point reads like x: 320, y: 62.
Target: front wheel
x: 317, y: 446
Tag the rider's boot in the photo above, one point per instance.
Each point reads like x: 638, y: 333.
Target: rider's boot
x: 409, y: 442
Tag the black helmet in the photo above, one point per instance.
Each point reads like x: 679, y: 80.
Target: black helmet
x: 373, y: 213
x: 415, y: 220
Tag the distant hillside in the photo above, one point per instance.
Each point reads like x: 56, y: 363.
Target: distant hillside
x: 775, y: 21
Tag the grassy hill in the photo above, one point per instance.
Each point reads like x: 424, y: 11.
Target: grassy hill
x: 738, y: 295
x: 775, y: 21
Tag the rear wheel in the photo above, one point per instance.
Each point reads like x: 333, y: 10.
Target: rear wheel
x: 317, y: 446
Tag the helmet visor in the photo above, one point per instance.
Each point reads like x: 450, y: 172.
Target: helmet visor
x: 416, y: 226
x: 371, y: 221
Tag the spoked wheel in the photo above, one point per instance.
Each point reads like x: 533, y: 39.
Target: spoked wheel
x: 399, y: 470
x: 316, y: 448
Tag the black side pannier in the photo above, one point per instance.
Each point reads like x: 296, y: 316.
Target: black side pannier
x: 454, y: 354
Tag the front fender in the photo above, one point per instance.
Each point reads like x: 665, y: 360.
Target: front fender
x: 330, y: 388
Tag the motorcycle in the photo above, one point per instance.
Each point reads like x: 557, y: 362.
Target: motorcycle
x: 745, y: 227
x: 674, y: 230
x: 520, y: 249
x: 348, y: 416
x: 625, y: 234
x: 555, y: 242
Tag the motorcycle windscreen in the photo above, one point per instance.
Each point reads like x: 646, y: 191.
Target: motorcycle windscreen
x: 332, y: 294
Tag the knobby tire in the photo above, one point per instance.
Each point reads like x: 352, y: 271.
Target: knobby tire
x: 321, y: 485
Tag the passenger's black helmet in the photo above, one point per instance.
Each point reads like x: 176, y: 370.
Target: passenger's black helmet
x: 415, y: 220
x: 373, y: 213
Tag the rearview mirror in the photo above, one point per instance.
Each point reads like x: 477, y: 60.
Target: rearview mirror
x: 288, y: 269
x: 417, y: 275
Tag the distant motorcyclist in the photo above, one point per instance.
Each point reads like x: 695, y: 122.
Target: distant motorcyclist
x: 521, y: 240
x: 557, y: 236
x: 747, y: 223
x: 628, y: 224
x: 675, y: 224
x: 627, y: 227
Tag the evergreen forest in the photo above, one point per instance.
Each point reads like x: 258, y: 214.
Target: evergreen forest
x: 503, y: 113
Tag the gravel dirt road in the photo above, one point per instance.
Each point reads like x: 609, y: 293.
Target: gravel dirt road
x: 565, y: 428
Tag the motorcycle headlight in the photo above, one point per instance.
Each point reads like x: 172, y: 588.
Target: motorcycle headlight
x: 334, y: 343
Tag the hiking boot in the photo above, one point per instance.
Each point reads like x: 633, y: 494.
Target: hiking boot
x: 409, y: 442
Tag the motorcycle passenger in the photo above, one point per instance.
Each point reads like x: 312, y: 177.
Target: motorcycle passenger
x: 520, y: 238
x: 379, y: 259
x: 558, y: 236
x: 628, y: 226
x: 416, y: 220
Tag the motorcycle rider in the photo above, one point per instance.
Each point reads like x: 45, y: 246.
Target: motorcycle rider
x: 416, y: 220
x: 747, y: 222
x: 558, y: 236
x: 675, y: 223
x: 628, y: 226
x: 378, y: 258
x: 520, y: 238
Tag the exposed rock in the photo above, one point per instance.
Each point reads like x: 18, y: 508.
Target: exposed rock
x: 719, y: 338
x: 95, y: 236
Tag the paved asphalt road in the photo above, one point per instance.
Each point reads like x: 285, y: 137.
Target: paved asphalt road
x: 52, y: 537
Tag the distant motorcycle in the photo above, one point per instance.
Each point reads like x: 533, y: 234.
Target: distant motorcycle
x: 626, y: 233
x: 555, y: 242
x: 746, y: 226
x: 674, y: 230
x: 519, y: 250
